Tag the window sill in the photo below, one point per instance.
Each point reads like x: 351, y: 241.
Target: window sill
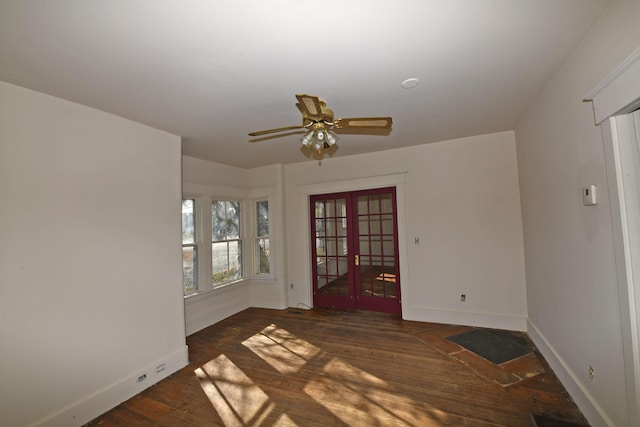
x: 263, y: 278
x: 205, y: 293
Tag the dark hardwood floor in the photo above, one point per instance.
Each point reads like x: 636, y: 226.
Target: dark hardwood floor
x: 332, y: 368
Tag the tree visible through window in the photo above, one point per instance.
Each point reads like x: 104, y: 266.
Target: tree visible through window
x: 226, y: 242
x: 189, y: 247
x: 262, y: 237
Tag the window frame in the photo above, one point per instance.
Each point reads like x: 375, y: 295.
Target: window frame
x: 197, y: 223
x: 256, y: 237
x: 204, y: 197
x: 241, y: 239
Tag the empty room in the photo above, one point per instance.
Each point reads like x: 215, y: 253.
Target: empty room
x: 341, y: 213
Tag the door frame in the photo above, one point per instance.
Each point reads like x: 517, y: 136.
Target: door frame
x: 617, y: 94
x: 299, y: 294
x: 355, y: 299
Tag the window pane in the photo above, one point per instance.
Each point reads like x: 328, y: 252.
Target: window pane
x: 218, y: 215
x: 331, y: 227
x: 330, y: 208
x: 363, y: 205
x: 226, y: 261
x: 363, y: 225
x: 376, y: 245
x: 235, y: 260
x: 233, y: 220
x: 374, y: 203
x: 262, y: 214
x: 320, y: 247
x: 386, y: 203
x: 263, y: 256
x: 188, y: 221
x: 387, y: 224
x: 374, y: 225
x: 225, y: 220
x: 319, y: 209
x: 190, y: 268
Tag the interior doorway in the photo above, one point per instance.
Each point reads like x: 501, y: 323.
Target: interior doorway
x: 355, y: 262
x: 625, y: 138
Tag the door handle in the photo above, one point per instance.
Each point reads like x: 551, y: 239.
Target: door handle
x: 357, y: 259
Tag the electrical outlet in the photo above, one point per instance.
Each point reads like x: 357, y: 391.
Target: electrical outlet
x: 142, y: 377
x: 291, y: 285
x: 463, y: 297
x: 161, y: 367
x: 592, y: 373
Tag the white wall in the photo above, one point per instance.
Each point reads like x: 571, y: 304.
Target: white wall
x: 90, y: 271
x: 574, y: 312
x: 461, y: 199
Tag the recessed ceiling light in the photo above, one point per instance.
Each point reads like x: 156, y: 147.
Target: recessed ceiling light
x: 410, y: 83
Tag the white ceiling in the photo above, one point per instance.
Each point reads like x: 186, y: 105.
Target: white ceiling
x: 212, y: 71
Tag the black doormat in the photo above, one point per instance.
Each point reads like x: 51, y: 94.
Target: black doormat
x: 496, y: 346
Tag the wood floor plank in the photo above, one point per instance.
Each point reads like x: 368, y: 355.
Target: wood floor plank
x: 333, y: 368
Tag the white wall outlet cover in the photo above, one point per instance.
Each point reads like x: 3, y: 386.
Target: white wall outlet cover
x: 589, y: 195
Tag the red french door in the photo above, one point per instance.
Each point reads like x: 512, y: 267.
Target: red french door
x: 355, y: 250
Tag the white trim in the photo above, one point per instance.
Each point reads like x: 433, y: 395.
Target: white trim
x: 85, y: 409
x: 618, y: 92
x: 580, y: 394
x: 197, y: 211
x: 253, y: 215
x: 353, y: 184
x: 624, y: 264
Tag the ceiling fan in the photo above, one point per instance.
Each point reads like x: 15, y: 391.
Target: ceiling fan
x: 319, y: 121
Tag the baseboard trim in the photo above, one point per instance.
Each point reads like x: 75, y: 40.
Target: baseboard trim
x: 466, y: 318
x: 590, y: 409
x: 99, y: 402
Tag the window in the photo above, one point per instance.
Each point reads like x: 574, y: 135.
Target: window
x: 262, y: 264
x: 189, y: 247
x: 226, y: 242
x: 226, y: 225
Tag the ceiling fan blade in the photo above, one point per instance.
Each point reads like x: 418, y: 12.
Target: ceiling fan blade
x: 310, y: 106
x: 363, y: 122
x: 265, y: 132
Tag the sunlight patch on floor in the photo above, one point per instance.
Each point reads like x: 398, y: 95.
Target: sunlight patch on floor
x: 282, y: 350
x: 352, y: 394
x: 238, y: 401
x: 284, y: 421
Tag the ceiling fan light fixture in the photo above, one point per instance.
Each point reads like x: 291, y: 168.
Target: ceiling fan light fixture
x: 319, y: 139
x: 319, y: 122
x: 307, y: 139
x: 332, y: 138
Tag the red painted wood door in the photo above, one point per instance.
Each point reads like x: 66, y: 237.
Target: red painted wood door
x: 355, y: 250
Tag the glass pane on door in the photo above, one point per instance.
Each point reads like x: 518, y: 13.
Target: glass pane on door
x: 331, y: 247
x: 376, y: 246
